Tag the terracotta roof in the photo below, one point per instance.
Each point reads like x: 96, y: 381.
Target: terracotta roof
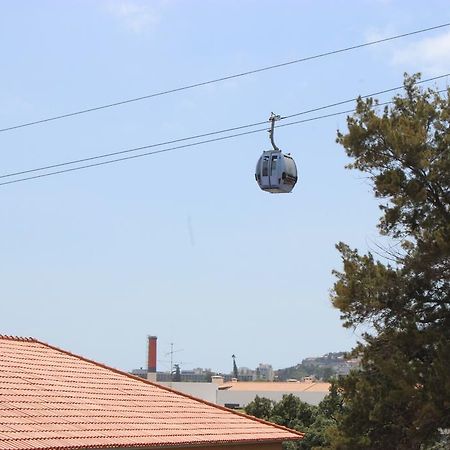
x: 52, y: 399
x: 263, y: 386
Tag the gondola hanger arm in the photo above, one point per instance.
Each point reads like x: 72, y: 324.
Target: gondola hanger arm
x: 273, y: 118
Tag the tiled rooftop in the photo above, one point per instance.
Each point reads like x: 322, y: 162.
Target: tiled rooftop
x: 52, y: 399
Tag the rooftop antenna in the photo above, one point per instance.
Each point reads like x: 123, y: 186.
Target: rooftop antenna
x: 172, y: 351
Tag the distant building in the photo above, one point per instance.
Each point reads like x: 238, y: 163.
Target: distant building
x: 335, y: 361
x: 246, y: 374
x: 239, y: 394
x: 264, y: 372
x: 141, y: 373
x: 197, y: 375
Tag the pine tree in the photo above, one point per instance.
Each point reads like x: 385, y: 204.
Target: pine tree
x: 176, y: 375
x: 401, y: 397
x: 235, y: 369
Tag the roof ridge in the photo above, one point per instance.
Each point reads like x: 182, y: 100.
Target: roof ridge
x: 165, y: 388
x: 17, y: 338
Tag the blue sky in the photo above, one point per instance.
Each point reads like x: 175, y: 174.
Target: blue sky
x: 184, y: 245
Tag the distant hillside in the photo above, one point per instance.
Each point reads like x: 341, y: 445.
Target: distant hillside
x: 322, y: 368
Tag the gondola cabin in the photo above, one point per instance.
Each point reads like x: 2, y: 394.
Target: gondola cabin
x: 276, y: 172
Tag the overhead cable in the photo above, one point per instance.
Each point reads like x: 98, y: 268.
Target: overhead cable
x: 211, y: 133
x: 224, y: 78
x: 221, y: 138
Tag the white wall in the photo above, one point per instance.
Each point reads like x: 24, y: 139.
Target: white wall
x: 210, y: 393
x: 205, y: 391
x: 244, y: 397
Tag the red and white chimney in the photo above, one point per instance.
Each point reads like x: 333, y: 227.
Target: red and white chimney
x: 152, y: 352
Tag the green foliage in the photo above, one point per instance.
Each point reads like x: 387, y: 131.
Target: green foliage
x: 176, y: 374
x: 293, y: 413
x: 260, y: 407
x: 401, y: 397
x: 208, y: 376
x: 235, y: 369
x: 332, y: 405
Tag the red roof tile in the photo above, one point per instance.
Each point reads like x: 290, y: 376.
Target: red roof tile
x: 52, y: 399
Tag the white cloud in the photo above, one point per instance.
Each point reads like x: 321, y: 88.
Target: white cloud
x: 429, y: 55
x: 137, y: 17
x: 12, y: 105
x: 375, y: 34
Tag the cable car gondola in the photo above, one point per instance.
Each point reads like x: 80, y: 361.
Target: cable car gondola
x: 276, y: 172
